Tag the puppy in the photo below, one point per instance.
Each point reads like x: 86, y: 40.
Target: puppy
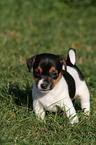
x: 56, y: 82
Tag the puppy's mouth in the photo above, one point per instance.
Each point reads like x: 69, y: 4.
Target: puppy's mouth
x: 44, y: 91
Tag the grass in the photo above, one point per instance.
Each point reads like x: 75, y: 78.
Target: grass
x: 31, y: 27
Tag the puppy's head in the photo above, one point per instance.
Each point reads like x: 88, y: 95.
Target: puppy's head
x: 47, y: 70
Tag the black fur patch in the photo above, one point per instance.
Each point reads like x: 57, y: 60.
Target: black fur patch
x: 46, y: 61
x: 71, y: 83
x: 68, y: 63
x: 79, y: 72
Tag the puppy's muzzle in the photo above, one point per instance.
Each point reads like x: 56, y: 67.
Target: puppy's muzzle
x: 44, y: 85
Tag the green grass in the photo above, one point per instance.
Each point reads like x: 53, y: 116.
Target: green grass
x: 28, y: 27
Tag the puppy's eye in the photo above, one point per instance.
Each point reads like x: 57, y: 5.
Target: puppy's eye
x: 54, y: 74
x: 37, y: 73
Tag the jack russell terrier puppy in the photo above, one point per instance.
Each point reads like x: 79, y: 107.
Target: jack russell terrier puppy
x: 56, y: 82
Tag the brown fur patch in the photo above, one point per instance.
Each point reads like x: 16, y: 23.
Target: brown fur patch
x: 33, y: 62
x: 40, y: 69
x: 51, y: 69
x: 56, y: 81
x: 63, y: 61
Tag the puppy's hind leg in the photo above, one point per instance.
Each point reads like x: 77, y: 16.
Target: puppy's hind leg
x: 67, y: 105
x: 84, y: 95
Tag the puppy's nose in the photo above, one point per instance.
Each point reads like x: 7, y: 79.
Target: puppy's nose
x: 44, y: 85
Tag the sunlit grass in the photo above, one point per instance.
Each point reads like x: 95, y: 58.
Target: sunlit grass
x: 31, y: 27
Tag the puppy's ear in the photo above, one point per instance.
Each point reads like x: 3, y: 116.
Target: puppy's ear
x: 30, y: 62
x: 62, y: 61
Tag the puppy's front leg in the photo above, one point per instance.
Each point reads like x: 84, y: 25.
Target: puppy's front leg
x: 70, y: 110
x: 39, y: 110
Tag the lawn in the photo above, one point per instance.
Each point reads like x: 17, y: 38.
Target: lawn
x: 29, y: 27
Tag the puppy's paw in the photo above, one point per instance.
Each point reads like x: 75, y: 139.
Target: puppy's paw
x: 41, y: 116
x: 74, y: 119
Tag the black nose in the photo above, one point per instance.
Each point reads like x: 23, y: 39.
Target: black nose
x: 44, y: 85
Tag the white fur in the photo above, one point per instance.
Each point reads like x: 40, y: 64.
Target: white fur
x: 81, y: 90
x: 72, y: 56
x: 59, y: 96
x: 39, y: 83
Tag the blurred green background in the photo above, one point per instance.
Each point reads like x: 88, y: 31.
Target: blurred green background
x: 29, y: 27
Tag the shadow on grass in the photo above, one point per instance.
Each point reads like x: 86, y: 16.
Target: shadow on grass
x: 21, y: 96
x: 77, y: 104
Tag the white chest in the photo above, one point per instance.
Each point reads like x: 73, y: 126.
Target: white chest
x: 53, y: 98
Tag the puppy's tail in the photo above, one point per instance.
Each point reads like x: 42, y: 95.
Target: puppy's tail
x: 71, y: 58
